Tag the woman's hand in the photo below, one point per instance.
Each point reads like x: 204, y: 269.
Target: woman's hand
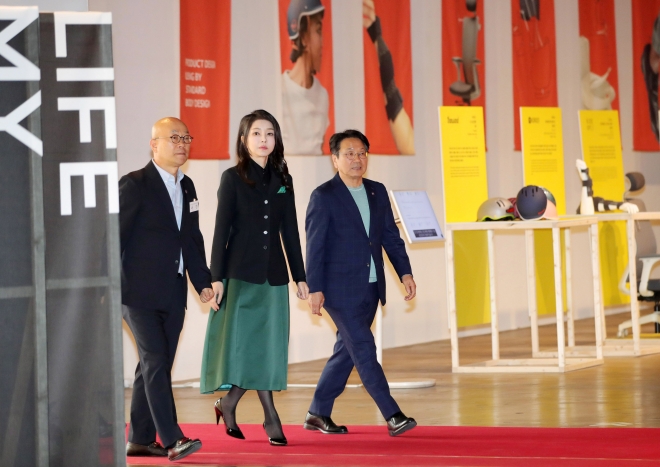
x: 206, y: 296
x: 218, y: 290
x: 303, y: 291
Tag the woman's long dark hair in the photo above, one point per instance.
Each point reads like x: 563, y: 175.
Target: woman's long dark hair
x: 276, y: 157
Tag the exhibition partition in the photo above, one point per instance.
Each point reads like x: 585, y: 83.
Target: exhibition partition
x: 61, y: 390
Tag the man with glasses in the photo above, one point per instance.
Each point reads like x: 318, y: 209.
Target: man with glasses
x: 160, y: 241
x: 349, y: 222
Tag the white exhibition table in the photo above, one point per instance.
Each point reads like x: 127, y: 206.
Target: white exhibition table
x: 636, y: 346
x: 560, y: 361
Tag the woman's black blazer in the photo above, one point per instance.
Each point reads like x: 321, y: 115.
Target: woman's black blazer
x: 248, y: 225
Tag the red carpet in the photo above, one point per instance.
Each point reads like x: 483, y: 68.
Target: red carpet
x: 426, y: 445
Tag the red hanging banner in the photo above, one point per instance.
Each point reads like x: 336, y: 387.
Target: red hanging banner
x: 308, y: 105
x: 463, y: 68
x: 646, y: 64
x: 599, y: 80
x: 534, y: 57
x: 205, y: 60
x: 388, y: 76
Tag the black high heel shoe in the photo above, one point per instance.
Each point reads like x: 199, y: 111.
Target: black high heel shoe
x: 233, y: 432
x: 276, y: 441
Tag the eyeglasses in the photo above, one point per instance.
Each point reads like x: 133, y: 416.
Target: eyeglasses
x: 176, y: 139
x: 352, y: 155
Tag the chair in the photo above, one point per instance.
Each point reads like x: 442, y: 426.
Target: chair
x: 529, y: 9
x: 648, y: 290
x: 468, y: 88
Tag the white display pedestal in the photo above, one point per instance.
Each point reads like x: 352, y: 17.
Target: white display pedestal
x: 636, y: 346
x: 561, y: 361
x: 378, y: 335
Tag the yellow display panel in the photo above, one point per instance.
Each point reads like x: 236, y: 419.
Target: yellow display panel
x: 601, y: 150
x: 543, y: 165
x: 543, y: 150
x: 613, y: 246
x: 463, y: 151
x: 465, y: 185
x: 545, y: 273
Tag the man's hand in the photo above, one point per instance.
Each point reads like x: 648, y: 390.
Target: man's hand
x: 207, y: 296
x: 316, y: 301
x: 303, y: 291
x: 411, y: 287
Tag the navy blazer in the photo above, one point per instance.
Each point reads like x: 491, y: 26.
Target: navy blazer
x: 151, y: 242
x: 339, y: 250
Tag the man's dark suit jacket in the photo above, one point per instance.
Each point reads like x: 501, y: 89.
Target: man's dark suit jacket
x: 339, y: 250
x: 151, y: 242
x: 248, y: 225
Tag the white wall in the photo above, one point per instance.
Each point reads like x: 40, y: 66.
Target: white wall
x: 50, y: 5
x: 145, y: 37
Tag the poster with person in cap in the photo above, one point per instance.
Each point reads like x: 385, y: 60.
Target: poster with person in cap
x: 307, y: 86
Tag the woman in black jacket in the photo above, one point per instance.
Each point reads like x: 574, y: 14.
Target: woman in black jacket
x: 247, y: 340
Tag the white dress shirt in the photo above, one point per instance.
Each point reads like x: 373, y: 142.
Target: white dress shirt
x: 173, y: 186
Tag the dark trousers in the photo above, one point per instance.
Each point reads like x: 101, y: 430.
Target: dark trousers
x: 153, y: 411
x: 355, y: 346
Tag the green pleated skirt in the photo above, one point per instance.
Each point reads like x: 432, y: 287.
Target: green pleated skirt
x: 247, y: 339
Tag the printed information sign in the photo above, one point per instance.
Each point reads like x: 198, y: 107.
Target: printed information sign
x: 417, y: 216
x: 465, y: 186
x: 463, y: 150
x: 543, y: 151
x: 601, y: 150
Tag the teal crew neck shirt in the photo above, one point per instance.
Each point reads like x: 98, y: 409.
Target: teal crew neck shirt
x: 359, y: 195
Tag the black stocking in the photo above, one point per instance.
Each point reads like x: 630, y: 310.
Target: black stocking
x: 273, y: 425
x: 229, y: 403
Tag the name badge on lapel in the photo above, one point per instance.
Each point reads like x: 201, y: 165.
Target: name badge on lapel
x: 194, y: 206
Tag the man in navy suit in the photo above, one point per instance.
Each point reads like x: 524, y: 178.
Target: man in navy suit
x: 160, y: 242
x: 349, y: 222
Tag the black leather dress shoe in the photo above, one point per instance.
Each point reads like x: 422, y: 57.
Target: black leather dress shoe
x: 182, y: 448
x: 154, y: 449
x: 399, y: 423
x: 323, y: 424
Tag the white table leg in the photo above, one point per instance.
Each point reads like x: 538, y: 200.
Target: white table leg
x: 378, y: 337
x: 599, y: 315
x: 378, y: 334
x: 569, y: 289
x: 559, y: 305
x: 451, y: 296
x: 632, y: 276
x: 494, y: 324
x: 531, y: 290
